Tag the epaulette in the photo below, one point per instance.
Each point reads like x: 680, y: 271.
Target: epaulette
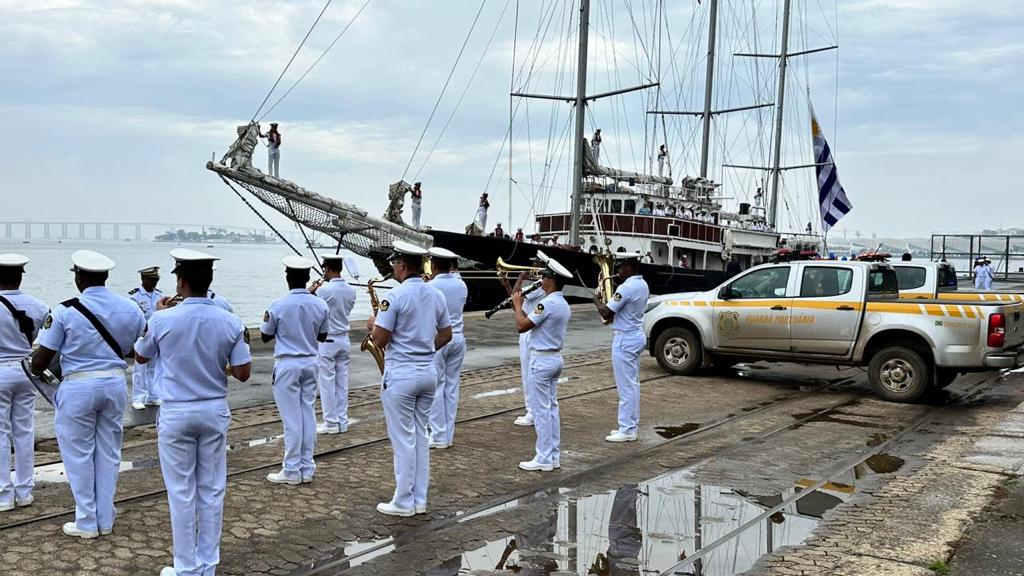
x: 134, y: 291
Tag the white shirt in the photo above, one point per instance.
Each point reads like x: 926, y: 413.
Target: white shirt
x: 414, y: 312
x: 146, y: 300
x: 81, y: 347
x: 550, y: 322
x: 295, y: 320
x: 13, y: 344
x: 455, y: 293
x: 628, y: 303
x: 340, y: 298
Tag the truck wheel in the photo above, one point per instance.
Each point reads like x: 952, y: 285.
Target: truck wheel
x: 678, y: 351
x: 898, y: 374
x: 944, y: 377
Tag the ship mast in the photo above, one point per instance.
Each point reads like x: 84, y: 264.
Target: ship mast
x: 708, y: 88
x: 581, y: 109
x: 780, y: 100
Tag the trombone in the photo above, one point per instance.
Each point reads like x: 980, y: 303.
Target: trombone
x: 503, y: 269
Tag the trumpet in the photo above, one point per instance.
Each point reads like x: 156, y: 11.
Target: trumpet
x: 368, y: 345
x: 503, y: 268
x: 605, y: 280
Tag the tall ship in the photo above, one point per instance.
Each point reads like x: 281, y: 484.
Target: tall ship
x: 687, y: 228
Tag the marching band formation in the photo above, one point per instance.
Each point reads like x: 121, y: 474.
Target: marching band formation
x: 186, y: 347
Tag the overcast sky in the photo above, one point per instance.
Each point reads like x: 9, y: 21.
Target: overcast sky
x: 112, y: 107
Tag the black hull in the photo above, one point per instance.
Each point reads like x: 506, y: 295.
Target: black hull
x: 485, y: 250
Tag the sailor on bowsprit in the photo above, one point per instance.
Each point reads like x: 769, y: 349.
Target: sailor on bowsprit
x: 298, y: 321
x: 92, y: 333
x: 21, y: 317
x: 146, y: 295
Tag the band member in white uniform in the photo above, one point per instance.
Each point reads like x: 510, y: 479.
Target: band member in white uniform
x: 411, y: 325
x: 146, y: 296
x: 626, y: 312
x: 549, y: 322
x: 530, y: 300
x: 21, y: 317
x: 333, y: 353
x: 194, y: 341
x: 448, y: 360
x: 90, y: 401
x: 298, y: 320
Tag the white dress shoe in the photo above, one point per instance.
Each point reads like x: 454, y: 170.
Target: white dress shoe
x: 71, y: 529
x: 138, y: 406
x: 421, y: 509
x: 168, y: 571
x: 282, y: 478
x: 326, y: 428
x: 6, y: 506
x: 106, y: 532
x: 307, y: 480
x: 618, y: 436
x: 525, y: 420
x: 392, y: 510
x: 533, y: 465
x: 556, y: 464
x: 440, y: 445
x: 22, y: 502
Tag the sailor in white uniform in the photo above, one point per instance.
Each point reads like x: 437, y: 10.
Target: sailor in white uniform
x: 194, y: 341
x: 219, y: 301
x: 298, y: 320
x: 447, y: 360
x: 92, y: 333
x: 333, y: 353
x: 626, y: 313
x: 146, y: 296
x: 411, y: 325
x: 21, y: 317
x: 548, y: 321
x: 530, y: 301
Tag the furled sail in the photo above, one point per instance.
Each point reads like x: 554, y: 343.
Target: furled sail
x: 592, y: 168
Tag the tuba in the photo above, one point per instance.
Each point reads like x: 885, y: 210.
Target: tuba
x: 605, y: 279
x: 368, y: 345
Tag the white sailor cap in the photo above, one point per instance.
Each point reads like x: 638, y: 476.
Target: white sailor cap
x: 150, y: 272
x: 542, y: 257
x: 442, y: 253
x: 89, y: 261
x: 13, y: 260
x: 331, y: 257
x: 555, y: 269
x: 294, y: 262
x: 187, y: 256
x: 402, y: 248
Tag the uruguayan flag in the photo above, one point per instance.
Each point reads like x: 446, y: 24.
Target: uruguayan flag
x: 832, y: 199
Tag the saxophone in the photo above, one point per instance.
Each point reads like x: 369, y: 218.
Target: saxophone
x: 368, y: 345
x: 605, y: 280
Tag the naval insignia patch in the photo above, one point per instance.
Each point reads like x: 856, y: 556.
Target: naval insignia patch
x: 617, y: 297
x: 48, y: 322
x: 384, y: 305
x: 266, y: 316
x: 538, y: 309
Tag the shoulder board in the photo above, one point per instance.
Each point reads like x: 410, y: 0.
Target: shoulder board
x: 133, y: 291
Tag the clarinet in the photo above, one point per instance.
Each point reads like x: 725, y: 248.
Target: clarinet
x: 507, y: 302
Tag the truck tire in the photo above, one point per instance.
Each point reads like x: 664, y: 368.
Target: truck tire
x: 679, y: 351
x: 899, y: 374
x: 945, y: 376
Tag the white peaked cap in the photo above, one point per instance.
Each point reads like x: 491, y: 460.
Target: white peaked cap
x: 13, y: 260
x: 542, y: 257
x: 189, y: 255
x: 444, y: 253
x: 556, y: 267
x: 297, y: 262
x: 89, y: 261
x: 328, y: 256
x: 403, y: 248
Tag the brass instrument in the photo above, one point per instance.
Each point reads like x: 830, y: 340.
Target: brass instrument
x: 503, y: 268
x: 368, y: 345
x: 428, y: 269
x: 605, y: 279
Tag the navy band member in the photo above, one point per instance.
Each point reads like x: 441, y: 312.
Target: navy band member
x: 194, y: 341
x: 448, y: 360
x: 90, y: 401
x: 298, y: 320
x: 21, y: 317
x: 626, y: 311
x: 146, y: 296
x: 549, y: 322
x: 412, y: 324
x: 529, y: 303
x: 333, y: 353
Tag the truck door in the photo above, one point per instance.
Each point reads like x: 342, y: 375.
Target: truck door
x: 752, y: 311
x: 826, y: 312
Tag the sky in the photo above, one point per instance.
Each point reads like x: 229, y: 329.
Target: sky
x: 112, y: 107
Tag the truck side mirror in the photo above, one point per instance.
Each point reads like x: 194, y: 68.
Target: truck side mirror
x: 725, y: 293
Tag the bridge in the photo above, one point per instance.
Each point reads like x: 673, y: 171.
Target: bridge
x: 49, y: 230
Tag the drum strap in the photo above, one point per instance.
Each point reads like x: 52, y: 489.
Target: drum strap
x: 104, y: 333
x: 25, y: 324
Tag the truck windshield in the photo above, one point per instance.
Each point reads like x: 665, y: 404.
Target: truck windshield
x: 883, y: 281
x: 911, y: 277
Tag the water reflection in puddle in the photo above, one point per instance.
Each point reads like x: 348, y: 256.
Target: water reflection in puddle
x: 362, y: 549
x: 57, y: 474
x: 646, y: 528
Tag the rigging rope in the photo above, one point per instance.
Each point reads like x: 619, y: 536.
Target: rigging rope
x: 290, y: 60
x: 257, y: 213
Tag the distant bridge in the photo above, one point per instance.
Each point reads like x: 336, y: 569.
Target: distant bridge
x: 27, y: 230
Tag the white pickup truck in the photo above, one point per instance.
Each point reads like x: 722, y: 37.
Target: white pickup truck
x: 924, y: 280
x: 841, y: 313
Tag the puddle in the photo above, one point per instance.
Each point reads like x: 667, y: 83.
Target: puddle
x: 358, y: 548
x: 254, y: 442
x: 504, y: 392
x: 884, y: 463
x: 675, y: 431
x: 57, y: 474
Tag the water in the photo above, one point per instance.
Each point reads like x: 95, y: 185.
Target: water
x: 248, y: 275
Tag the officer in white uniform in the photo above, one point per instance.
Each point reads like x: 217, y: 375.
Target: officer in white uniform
x: 194, y: 341
x: 90, y: 401
x: 146, y: 296
x: 333, y: 353
x: 626, y: 313
x: 448, y: 360
x: 411, y: 325
x: 298, y: 320
x: 529, y: 302
x: 21, y: 317
x: 549, y: 322
x: 220, y: 301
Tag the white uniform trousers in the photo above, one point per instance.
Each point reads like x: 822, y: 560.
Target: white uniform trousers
x: 597, y: 152
x: 142, y: 382
x: 448, y: 364
x: 273, y: 161
x: 295, y: 395
x: 88, y: 426
x: 407, y: 393
x: 979, y: 282
x: 661, y: 166
x: 544, y: 372
x: 417, y: 209
x: 332, y: 375
x: 192, y: 438
x: 626, y: 350
x: 524, y: 367
x: 17, y: 426
x: 481, y: 218
x: 988, y: 283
